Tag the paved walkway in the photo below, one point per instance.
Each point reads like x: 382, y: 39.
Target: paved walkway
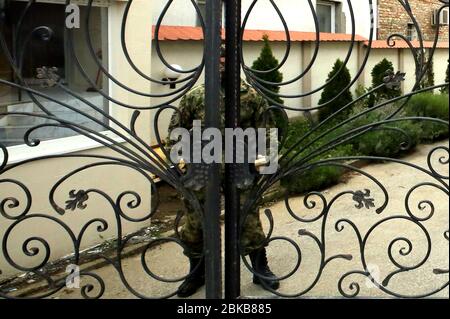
x: 168, y: 261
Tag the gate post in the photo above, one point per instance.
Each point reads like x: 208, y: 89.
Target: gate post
x: 232, y: 104
x: 212, y: 231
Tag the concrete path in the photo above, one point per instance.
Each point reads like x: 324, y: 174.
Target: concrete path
x: 168, y: 261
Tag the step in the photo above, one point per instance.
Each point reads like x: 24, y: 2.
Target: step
x: 17, y: 132
x: 30, y: 107
x: 11, y: 142
x: 20, y: 120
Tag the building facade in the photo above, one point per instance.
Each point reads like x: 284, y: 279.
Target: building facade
x: 333, y: 16
x: 393, y: 18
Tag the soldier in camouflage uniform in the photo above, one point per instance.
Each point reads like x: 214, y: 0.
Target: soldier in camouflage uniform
x: 252, y: 110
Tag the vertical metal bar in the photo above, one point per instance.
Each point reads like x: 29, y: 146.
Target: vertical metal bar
x: 212, y: 119
x: 232, y: 103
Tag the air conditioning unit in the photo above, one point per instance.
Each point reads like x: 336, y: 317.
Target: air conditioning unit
x: 442, y: 19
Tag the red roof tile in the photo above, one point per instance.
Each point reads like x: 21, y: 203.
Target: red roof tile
x: 182, y: 33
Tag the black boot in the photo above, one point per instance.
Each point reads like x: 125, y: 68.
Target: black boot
x: 195, y: 280
x: 261, y: 266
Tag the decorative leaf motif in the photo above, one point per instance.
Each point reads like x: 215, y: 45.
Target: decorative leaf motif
x: 363, y: 199
x: 393, y: 80
x: 77, y: 200
x: 49, y: 74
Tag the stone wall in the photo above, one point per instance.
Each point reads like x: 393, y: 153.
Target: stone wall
x: 393, y: 18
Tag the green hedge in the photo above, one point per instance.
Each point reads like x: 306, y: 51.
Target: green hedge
x: 319, y: 177
x: 314, y: 179
x: 433, y: 106
x: 388, y: 140
x: 385, y: 141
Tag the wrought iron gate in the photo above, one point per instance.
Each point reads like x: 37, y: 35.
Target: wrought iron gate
x: 130, y: 150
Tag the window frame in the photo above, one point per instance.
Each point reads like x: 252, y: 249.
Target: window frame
x: 200, y: 4
x: 411, y: 32
x: 333, y: 13
x: 77, y: 143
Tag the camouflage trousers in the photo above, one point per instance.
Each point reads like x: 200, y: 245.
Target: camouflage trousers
x: 252, y: 235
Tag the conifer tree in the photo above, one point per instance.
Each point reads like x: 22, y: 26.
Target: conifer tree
x: 333, y: 89
x: 379, y: 72
x: 267, y: 61
x: 445, y: 88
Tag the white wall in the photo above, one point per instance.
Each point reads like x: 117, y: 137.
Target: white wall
x: 440, y: 65
x: 297, y: 14
x: 188, y: 54
x: 329, y: 52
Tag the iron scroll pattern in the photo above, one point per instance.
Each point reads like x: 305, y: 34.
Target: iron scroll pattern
x: 128, y: 150
x: 317, y: 207
x: 137, y: 155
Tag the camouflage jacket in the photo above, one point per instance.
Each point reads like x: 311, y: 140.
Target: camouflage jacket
x: 192, y: 107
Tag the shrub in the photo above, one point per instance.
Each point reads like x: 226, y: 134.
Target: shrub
x: 433, y: 106
x: 315, y: 178
x: 334, y: 88
x: 378, y: 73
x: 385, y: 140
x: 318, y: 178
x: 297, y: 128
x: 267, y: 61
x: 428, y: 80
x: 445, y: 88
x: 360, y: 90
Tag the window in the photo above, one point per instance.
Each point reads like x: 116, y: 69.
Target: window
x: 411, y: 32
x: 57, y: 55
x: 202, y: 7
x: 326, y: 14
x: 442, y: 19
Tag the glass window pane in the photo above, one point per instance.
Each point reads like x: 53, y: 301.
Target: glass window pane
x: 54, y: 55
x: 324, y: 15
x: 202, y: 7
